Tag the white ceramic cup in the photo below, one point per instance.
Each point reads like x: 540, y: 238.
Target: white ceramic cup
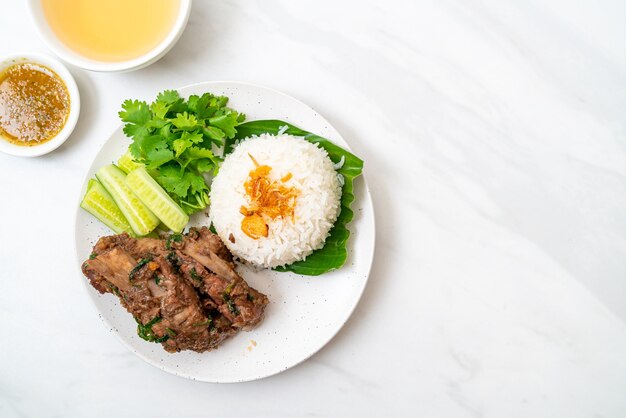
x: 74, y: 58
x: 52, y: 144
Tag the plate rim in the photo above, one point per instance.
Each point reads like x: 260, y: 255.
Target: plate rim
x: 111, y: 328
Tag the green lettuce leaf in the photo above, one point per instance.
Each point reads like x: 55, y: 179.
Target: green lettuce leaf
x: 335, y: 252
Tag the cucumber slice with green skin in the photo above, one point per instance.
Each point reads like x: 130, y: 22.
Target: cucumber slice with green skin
x: 140, y: 218
x: 157, y: 199
x: 100, y: 204
x: 163, y: 227
x: 127, y: 164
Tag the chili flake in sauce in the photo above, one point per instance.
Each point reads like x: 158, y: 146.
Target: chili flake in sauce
x: 34, y: 104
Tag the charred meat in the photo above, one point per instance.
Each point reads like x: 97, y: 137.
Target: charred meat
x: 183, y: 291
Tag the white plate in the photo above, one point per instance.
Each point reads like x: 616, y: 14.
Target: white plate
x: 304, y: 312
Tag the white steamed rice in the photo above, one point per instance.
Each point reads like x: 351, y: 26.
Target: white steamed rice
x: 316, y: 210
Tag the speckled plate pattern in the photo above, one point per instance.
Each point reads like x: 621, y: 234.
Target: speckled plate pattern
x: 304, y: 312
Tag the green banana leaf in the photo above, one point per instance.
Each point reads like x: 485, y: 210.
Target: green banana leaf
x: 334, y: 253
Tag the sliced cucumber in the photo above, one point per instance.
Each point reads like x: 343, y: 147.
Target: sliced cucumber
x: 157, y: 199
x: 163, y: 227
x: 152, y: 234
x: 100, y: 204
x: 140, y: 218
x: 127, y: 164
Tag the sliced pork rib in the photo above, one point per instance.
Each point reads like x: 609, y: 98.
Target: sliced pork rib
x: 183, y: 291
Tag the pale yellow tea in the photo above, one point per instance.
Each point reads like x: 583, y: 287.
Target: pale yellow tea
x: 111, y: 30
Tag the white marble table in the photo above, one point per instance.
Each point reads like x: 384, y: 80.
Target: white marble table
x: 495, y: 147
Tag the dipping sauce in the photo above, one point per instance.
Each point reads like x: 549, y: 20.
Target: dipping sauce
x: 111, y: 30
x: 34, y: 104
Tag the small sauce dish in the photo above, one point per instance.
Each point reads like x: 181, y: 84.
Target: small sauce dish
x: 39, y: 104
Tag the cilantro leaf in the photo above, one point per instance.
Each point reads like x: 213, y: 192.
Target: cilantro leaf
x: 168, y: 97
x: 204, y: 165
x: 170, y: 177
x: 188, y: 189
x: 204, y: 106
x: 172, y: 99
x: 142, y: 144
x: 219, y: 102
x: 185, y: 121
x: 195, y: 153
x: 226, y: 123
x: 159, y: 109
x: 174, y: 138
x: 214, y: 134
x: 166, y: 132
x: 158, y: 156
x: 186, y: 140
x: 135, y: 112
x: 193, y: 137
x: 136, y: 131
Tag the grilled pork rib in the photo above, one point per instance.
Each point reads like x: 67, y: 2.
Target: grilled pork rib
x: 183, y: 291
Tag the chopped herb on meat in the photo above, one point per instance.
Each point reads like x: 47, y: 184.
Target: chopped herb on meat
x: 173, y: 259
x: 172, y: 238
x: 203, y: 323
x: 164, y: 295
x: 229, y: 288
x: 194, y: 275
x: 140, y: 264
x: 145, y: 331
x: 229, y: 302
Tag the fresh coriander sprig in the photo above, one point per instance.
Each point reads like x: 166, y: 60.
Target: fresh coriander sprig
x: 175, y: 139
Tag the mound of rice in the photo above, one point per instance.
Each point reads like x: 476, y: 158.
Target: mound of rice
x: 316, y: 209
